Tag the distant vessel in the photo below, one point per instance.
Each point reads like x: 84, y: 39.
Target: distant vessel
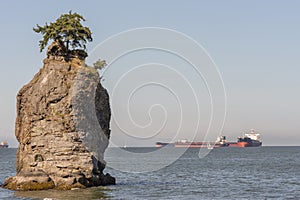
x: 251, y: 139
x: 221, y: 142
x: 3, y: 145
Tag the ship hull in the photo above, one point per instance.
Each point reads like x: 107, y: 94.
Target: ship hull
x: 249, y: 144
x: 199, y: 146
x: 164, y: 144
x: 205, y: 145
x: 190, y: 145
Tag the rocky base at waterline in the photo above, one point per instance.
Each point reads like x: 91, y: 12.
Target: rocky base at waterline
x: 62, y: 127
x: 39, y: 180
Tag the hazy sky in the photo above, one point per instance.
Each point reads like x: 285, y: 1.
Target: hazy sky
x: 255, y: 44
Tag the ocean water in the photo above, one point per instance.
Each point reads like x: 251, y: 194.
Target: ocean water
x: 225, y: 173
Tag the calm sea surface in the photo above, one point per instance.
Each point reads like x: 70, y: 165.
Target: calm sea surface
x: 225, y: 173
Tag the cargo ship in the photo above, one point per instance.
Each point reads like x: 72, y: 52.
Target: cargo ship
x: 3, y: 145
x: 251, y: 139
x: 221, y: 142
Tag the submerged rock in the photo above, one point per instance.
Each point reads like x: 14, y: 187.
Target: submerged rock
x: 62, y: 127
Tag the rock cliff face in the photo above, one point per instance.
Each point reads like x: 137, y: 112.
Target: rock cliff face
x: 62, y: 126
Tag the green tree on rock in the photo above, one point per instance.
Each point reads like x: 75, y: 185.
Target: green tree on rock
x: 68, y: 30
x: 100, y: 64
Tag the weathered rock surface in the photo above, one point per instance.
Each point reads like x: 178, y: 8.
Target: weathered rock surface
x: 62, y: 126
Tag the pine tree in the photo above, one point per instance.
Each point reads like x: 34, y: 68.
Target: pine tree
x: 66, y: 29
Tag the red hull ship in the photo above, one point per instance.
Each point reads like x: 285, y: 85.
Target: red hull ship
x: 251, y: 139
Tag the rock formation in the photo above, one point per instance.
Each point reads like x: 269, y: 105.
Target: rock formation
x: 62, y: 126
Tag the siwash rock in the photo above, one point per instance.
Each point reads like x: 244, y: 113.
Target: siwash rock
x: 62, y: 126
